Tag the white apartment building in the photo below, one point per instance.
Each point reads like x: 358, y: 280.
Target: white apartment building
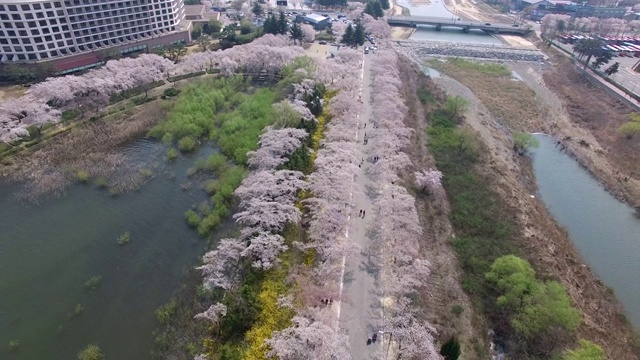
x: 36, y: 30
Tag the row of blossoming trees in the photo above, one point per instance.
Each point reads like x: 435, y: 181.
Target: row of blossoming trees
x: 267, y: 204
x: 558, y: 23
x: 397, y: 221
x: 90, y: 92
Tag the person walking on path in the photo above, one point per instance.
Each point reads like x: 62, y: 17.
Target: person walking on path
x: 363, y: 212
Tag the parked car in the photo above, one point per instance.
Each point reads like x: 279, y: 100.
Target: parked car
x: 488, y: 24
x: 515, y: 25
x: 366, y: 51
x: 322, y: 42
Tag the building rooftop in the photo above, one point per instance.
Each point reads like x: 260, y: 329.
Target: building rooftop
x: 315, y: 17
x: 193, y: 10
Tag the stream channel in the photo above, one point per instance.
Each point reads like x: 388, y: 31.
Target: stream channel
x: 605, y: 231
x: 49, y: 250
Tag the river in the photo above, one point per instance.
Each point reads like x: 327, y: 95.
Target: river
x: 604, y: 230
x: 437, y: 9
x: 48, y: 251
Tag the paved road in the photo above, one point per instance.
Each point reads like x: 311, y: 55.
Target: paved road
x: 356, y: 313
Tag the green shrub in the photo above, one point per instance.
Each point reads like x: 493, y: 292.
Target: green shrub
x: 170, y: 92
x: 425, y: 96
x: 451, y: 349
x: 523, y: 142
x: 165, y: 312
x: 93, y: 283
x: 83, y: 176
x: 91, y: 352
x: 79, y: 309
x: 193, y: 219
x: 197, y: 105
x: 457, y: 310
x: 14, y: 345
x: 143, y: 100
x: 586, y: 351
x: 172, y: 154
x: 632, y: 127
x: 68, y: 115
x: 167, y: 139
x: 101, y: 182
x: 124, y: 238
x: 534, y: 307
x: 187, y: 144
x: 216, y: 162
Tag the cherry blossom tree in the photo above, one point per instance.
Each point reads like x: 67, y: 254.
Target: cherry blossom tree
x: 264, y: 249
x: 309, y: 339
x: 338, y: 29
x: 220, y: 268
x: 378, y: 28
x: 309, y: 32
x: 214, y: 313
x: 430, y: 180
x: 18, y: 114
x: 270, y: 185
x: 275, y: 146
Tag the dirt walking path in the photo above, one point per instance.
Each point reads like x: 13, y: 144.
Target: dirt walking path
x: 357, y: 311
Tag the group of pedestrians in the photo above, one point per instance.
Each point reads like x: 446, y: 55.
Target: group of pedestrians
x: 372, y: 339
x: 362, y: 213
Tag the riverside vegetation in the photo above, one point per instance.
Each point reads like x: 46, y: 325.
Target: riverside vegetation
x: 532, y: 316
x: 524, y: 229
x: 240, y: 112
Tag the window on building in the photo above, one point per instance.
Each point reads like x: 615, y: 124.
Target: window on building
x: 13, y: 8
x: 28, y: 48
x: 32, y: 56
x: 37, y: 6
x: 16, y: 17
x: 25, y: 7
x: 15, y: 41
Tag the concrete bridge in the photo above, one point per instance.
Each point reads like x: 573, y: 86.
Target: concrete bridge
x: 465, y: 25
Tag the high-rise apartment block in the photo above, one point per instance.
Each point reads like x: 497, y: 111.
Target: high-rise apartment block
x: 37, y: 30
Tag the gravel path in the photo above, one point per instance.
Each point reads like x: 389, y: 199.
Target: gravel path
x: 360, y: 297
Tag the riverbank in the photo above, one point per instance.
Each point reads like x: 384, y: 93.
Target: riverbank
x: 587, y: 119
x: 541, y: 240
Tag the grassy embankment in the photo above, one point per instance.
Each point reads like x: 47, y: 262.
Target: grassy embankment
x: 511, y: 102
x: 486, y: 230
x: 252, y: 310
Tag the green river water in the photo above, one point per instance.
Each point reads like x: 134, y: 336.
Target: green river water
x: 49, y: 250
